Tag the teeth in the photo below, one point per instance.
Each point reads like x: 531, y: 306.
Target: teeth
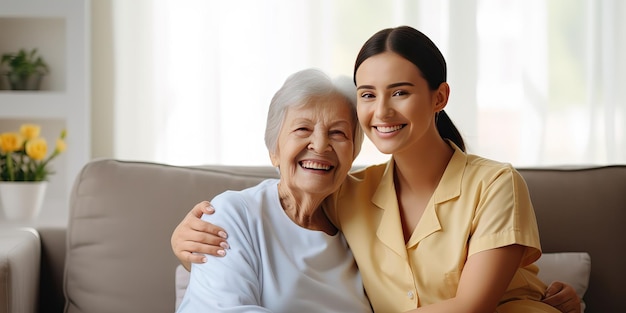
x: 315, y: 165
x: 388, y: 129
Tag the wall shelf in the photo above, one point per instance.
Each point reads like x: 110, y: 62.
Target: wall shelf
x: 24, y: 105
x: 60, y: 31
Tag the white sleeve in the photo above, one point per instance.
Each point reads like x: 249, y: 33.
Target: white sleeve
x: 230, y: 283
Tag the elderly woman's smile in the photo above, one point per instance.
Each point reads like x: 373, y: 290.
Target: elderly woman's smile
x: 313, y: 165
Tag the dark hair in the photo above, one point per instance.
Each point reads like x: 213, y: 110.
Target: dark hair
x: 417, y: 48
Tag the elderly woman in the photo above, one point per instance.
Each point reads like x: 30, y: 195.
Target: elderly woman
x: 286, y: 255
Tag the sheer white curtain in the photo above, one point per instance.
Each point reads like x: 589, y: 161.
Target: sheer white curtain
x: 533, y: 82
x: 547, y: 81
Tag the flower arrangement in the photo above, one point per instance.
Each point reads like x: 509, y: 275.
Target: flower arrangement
x: 23, y: 154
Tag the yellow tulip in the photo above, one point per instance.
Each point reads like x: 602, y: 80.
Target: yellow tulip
x: 30, y: 131
x: 61, y: 145
x: 36, y: 149
x: 11, y: 142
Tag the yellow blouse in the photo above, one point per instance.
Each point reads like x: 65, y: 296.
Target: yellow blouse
x: 478, y: 205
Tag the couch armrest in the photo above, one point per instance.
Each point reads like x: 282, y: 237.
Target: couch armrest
x: 20, y: 256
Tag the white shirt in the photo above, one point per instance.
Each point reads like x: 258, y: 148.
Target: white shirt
x: 274, y: 265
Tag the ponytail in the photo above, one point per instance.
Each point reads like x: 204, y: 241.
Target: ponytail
x: 447, y: 130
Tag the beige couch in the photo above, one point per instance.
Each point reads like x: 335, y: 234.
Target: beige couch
x: 115, y: 254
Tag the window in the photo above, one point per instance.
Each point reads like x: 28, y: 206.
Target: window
x: 533, y: 82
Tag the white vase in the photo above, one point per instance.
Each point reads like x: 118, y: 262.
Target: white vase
x: 21, y: 201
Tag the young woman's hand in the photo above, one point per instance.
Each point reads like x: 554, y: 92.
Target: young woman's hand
x: 193, y: 237
x: 563, y: 297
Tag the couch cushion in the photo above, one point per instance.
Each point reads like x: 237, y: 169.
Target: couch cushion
x: 181, y: 283
x: 122, y: 215
x: 572, y: 268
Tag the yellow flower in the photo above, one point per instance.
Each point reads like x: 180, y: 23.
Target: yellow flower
x: 30, y: 131
x: 11, y: 142
x: 23, y: 154
x: 36, y: 149
x: 61, y: 145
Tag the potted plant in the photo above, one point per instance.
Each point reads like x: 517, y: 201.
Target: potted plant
x: 25, y: 69
x: 24, y: 170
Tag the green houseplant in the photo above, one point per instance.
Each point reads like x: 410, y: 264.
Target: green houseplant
x: 25, y: 69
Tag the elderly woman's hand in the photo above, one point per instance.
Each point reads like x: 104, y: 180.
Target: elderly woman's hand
x: 193, y: 237
x: 563, y: 297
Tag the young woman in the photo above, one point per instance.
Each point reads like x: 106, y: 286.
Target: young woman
x: 434, y: 229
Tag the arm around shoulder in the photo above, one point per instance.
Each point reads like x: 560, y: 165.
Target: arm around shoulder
x: 232, y: 281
